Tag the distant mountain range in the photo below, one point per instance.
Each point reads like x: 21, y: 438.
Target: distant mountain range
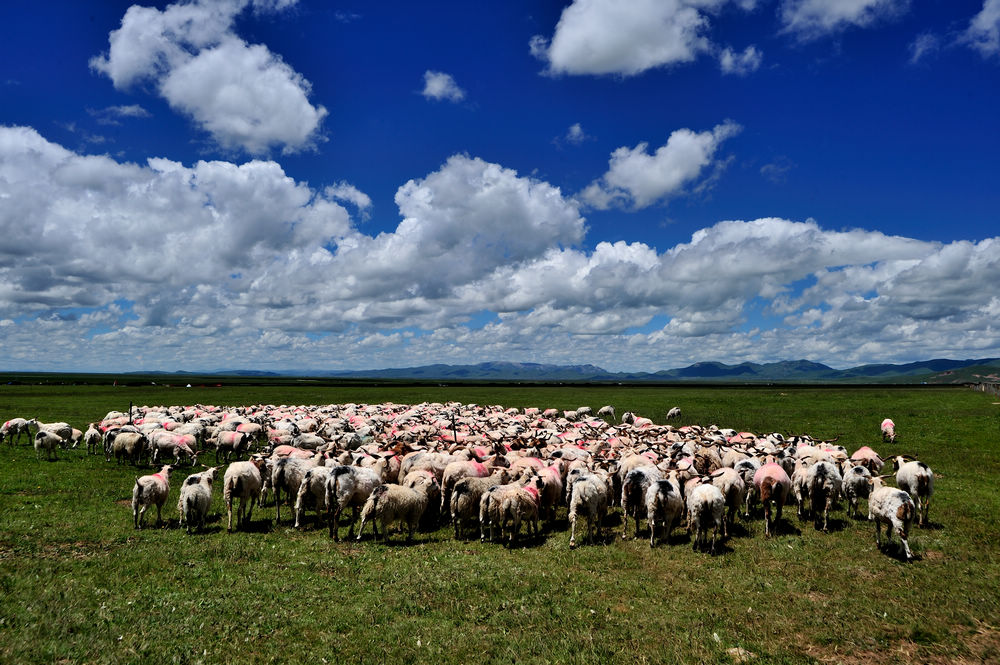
x: 791, y: 371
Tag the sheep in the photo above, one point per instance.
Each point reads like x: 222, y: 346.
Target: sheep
x: 150, y: 490
x: 674, y: 413
x: 128, y: 446
x: 196, y: 498
x: 492, y: 501
x: 706, y: 506
x: 894, y: 508
x: 869, y: 458
x: 634, y: 487
x: 824, y: 483
x: 734, y: 489
x: 521, y: 505
x: 391, y: 503
x: 312, y: 488
x: 243, y: 481
x: 455, y: 471
x: 772, y: 485
x: 588, y: 495
x: 664, y: 505
x: 747, y: 468
x: 888, y: 429
x: 49, y: 442
x: 286, y: 475
x: 92, y: 438
x: 467, y: 492
x: 917, y: 479
x: 607, y: 412
x: 348, y: 486
x: 15, y: 427
x: 62, y: 430
x: 856, y: 486
x: 230, y: 442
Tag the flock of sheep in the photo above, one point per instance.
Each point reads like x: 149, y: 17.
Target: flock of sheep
x: 492, y: 468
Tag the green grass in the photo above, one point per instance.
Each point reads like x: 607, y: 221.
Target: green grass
x: 78, y: 584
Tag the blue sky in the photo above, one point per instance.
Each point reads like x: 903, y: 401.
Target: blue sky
x: 309, y: 185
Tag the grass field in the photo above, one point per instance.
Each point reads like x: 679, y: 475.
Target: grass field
x: 78, y: 584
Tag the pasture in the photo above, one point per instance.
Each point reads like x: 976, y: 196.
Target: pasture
x: 78, y: 584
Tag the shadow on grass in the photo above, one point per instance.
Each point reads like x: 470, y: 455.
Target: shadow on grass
x: 784, y: 527
x: 932, y: 526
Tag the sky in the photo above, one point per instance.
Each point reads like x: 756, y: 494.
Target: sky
x: 312, y: 185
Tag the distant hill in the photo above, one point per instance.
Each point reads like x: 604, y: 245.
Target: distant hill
x: 795, y: 371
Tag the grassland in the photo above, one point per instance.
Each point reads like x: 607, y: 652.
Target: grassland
x: 78, y: 584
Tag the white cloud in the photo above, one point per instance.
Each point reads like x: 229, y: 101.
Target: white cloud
x: 627, y: 38
x: 173, y: 266
x: 922, y: 46
x: 440, y: 86
x: 245, y: 96
x: 812, y: 19
x: 983, y: 33
x: 638, y: 179
x: 740, y: 64
x: 575, y: 134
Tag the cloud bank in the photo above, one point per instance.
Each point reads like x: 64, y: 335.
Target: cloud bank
x: 170, y: 266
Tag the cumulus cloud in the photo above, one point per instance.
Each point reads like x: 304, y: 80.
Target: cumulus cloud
x: 242, y: 94
x: 173, y: 266
x: 627, y: 38
x: 812, y: 19
x: 983, y: 33
x: 440, y: 86
x: 638, y: 179
x: 740, y: 64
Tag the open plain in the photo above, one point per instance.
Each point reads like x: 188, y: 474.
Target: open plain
x: 79, y: 584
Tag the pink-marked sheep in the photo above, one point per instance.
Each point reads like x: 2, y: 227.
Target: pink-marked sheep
x: 456, y: 471
x: 588, y: 496
x: 917, y: 479
x: 196, y: 499
x: 466, y: 494
x: 229, y: 443
x: 894, y: 508
x: 243, y: 481
x: 348, y: 486
x: 772, y: 485
x: 706, y: 507
x: 664, y: 505
x: 520, y: 506
x: 151, y: 490
x: 868, y: 458
x: 888, y: 429
x: 15, y: 427
x: 389, y: 504
x: 551, y: 493
x: 492, y: 502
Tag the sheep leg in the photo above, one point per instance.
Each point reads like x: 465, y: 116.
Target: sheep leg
x: 906, y: 546
x: 878, y: 533
x: 229, y: 513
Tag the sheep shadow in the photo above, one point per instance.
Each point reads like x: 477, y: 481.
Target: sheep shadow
x: 894, y: 550
x: 930, y: 526
x: 784, y: 527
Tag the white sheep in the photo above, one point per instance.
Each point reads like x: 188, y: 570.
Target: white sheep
x: 674, y: 413
x: 888, y: 429
x: 47, y: 441
x: 243, y: 481
x: 588, y: 496
x: 607, y: 411
x: 92, y: 438
x: 522, y: 505
x: 150, y: 490
x: 664, y: 505
x: 894, y: 508
x: 391, y: 503
x: 348, y: 486
x: 196, y: 499
x: 856, y: 486
x: 312, y: 489
x: 706, y: 507
x: 466, y: 494
x: 286, y: 476
x: 734, y: 489
x: 824, y: 483
x: 634, y: 486
x: 15, y: 427
x: 917, y: 479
